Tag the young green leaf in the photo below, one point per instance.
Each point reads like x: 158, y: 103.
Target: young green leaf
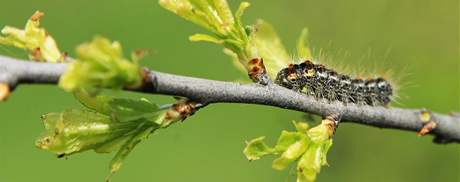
x: 320, y: 133
x: 205, y: 38
x: 119, y: 109
x: 98, y: 103
x: 242, y: 43
x: 257, y: 148
x: 310, y: 163
x: 303, y: 49
x: 186, y: 10
x: 310, y: 153
x: 301, y: 127
x: 111, y: 124
x: 100, y: 64
x: 287, y: 139
x: 215, y: 16
x: 75, y: 131
x: 34, y: 39
x: 294, y: 146
x: 141, y: 133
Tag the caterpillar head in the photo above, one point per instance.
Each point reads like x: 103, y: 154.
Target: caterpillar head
x: 289, y: 77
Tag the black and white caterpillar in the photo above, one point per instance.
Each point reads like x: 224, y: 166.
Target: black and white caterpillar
x: 323, y: 83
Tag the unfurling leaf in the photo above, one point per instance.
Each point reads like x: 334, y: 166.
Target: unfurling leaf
x: 310, y: 153
x: 322, y: 132
x: 101, y: 64
x: 119, y: 109
x: 142, y: 133
x: 257, y: 148
x: 310, y: 163
x: 303, y: 49
x: 205, y: 38
x: 242, y: 43
x: 34, y: 39
x: 75, y: 131
x: 287, y: 139
x: 301, y: 127
x: 110, y: 124
x: 186, y: 10
x: 216, y: 17
x: 298, y: 143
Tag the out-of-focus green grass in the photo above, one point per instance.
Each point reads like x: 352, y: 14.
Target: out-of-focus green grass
x: 416, y: 38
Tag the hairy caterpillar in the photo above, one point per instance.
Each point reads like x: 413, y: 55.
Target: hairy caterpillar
x: 318, y: 81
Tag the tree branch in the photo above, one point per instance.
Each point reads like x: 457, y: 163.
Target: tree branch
x: 447, y: 129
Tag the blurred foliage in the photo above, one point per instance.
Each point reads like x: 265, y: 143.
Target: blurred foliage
x: 410, y: 28
x: 34, y: 39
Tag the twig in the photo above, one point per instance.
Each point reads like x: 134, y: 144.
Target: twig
x: 14, y: 72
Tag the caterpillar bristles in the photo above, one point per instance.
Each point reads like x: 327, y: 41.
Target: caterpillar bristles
x: 324, y: 83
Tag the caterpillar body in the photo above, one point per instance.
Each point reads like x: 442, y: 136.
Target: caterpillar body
x: 323, y: 83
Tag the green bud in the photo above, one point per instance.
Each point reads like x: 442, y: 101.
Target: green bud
x: 100, y: 64
x: 34, y: 39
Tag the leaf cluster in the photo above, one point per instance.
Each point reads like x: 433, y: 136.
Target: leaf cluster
x: 306, y: 146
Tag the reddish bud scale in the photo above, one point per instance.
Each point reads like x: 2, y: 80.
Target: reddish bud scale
x: 428, y: 121
x: 427, y: 128
x: 180, y: 111
x: 257, y: 71
x: 37, y: 54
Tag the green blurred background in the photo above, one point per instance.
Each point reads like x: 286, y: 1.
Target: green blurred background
x: 416, y: 38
